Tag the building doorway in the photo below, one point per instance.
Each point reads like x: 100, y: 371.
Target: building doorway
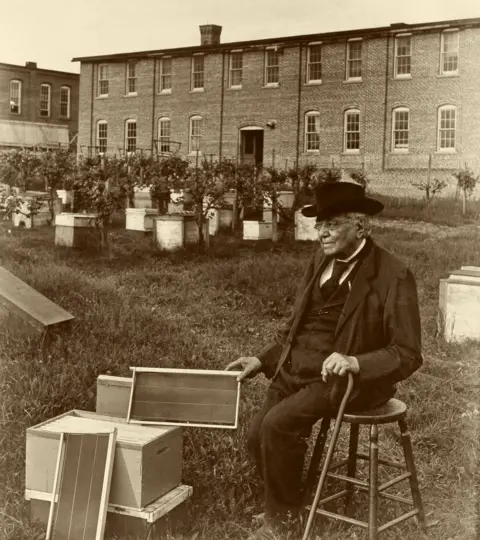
x: 251, y: 146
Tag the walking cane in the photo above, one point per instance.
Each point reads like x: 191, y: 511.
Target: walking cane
x: 328, y: 459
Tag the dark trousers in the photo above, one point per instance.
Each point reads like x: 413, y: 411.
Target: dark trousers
x: 278, y: 438
x: 278, y: 435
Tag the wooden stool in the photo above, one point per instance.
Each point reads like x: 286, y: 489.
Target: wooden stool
x: 393, y: 411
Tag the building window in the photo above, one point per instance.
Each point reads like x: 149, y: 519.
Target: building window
x: 198, y: 72
x: 446, y: 128
x: 449, y: 57
x: 403, y: 56
x: 64, y: 102
x: 352, y: 131
x: 45, y: 94
x: 103, y: 80
x: 236, y: 69
x: 354, y: 59
x: 165, y: 75
x: 314, y: 63
x: 15, y: 97
x: 272, y: 67
x: 195, y: 134
x: 131, y: 78
x: 102, y: 133
x: 400, y: 129
x: 164, y: 134
x: 131, y: 135
x: 312, y: 132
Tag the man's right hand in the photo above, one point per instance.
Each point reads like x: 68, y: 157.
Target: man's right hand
x: 250, y: 365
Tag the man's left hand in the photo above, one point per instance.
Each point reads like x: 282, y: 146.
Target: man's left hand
x: 339, y: 364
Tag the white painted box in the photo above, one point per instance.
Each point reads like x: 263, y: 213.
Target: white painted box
x: 74, y: 230
x: 23, y: 217
x: 140, y: 219
x: 459, y: 304
x: 174, y: 231
x: 257, y: 230
x: 304, y: 227
x: 147, y: 464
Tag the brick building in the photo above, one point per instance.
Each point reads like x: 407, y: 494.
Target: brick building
x: 38, y: 107
x: 394, y: 101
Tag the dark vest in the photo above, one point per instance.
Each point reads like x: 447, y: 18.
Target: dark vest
x: 315, y: 335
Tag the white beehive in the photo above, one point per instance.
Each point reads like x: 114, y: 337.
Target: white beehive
x: 257, y: 230
x: 459, y: 304
x: 304, y: 227
x: 140, y: 219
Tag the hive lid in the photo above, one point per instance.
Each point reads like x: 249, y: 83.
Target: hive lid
x: 467, y: 272
x: 126, y: 433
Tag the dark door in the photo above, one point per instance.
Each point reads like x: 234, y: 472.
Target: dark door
x: 252, y: 146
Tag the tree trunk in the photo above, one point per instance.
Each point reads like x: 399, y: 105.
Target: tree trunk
x: 464, y: 202
x: 274, y: 215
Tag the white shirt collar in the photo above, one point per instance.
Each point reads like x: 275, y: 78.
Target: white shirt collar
x: 360, y: 247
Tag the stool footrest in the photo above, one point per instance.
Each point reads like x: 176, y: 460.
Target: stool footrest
x: 395, y: 521
x: 353, y: 481
x: 394, y: 481
x: 381, y: 461
x: 352, y: 521
x: 390, y: 496
x: 338, y: 465
x: 333, y: 497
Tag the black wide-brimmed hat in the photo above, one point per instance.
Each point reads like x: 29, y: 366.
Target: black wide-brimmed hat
x: 335, y: 198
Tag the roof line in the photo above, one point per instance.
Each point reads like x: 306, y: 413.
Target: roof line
x: 396, y: 27
x: 17, y: 66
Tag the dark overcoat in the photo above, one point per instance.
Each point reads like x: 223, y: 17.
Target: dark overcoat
x: 379, y: 323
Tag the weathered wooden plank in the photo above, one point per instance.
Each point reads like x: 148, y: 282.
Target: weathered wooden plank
x: 16, y: 294
x: 113, y: 394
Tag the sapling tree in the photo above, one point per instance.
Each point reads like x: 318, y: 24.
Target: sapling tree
x: 430, y: 188
x: 208, y: 183
x: 56, y: 169
x: 168, y: 174
x: 100, y: 187
x: 466, y: 182
x: 18, y: 167
x: 360, y: 178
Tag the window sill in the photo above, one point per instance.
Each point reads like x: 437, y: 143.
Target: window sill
x: 448, y: 152
x: 399, y: 152
x: 452, y: 75
x: 402, y: 77
x: 131, y: 94
x: 310, y: 152
x: 234, y: 88
x: 314, y: 83
x: 350, y: 153
x: 103, y: 96
x: 271, y: 85
x: 164, y: 93
x: 353, y: 80
x: 197, y: 90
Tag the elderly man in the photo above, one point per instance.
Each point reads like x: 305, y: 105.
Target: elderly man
x: 356, y: 311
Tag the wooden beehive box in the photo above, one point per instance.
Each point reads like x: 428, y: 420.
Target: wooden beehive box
x: 459, y: 304
x: 26, y: 311
x: 147, y: 464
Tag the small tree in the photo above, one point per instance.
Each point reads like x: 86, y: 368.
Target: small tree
x: 167, y: 174
x: 332, y: 174
x: 100, y: 186
x: 466, y: 182
x: 19, y: 167
x: 208, y: 183
x: 360, y: 178
x: 56, y: 168
x: 430, y: 187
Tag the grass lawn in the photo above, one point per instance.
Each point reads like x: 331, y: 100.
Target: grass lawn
x: 141, y: 307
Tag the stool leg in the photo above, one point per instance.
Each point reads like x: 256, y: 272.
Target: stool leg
x: 408, y: 453
x: 351, y: 465
x: 315, y: 460
x: 373, y: 485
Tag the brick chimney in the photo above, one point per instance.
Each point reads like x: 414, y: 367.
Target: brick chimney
x: 210, y: 34
x: 31, y: 65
